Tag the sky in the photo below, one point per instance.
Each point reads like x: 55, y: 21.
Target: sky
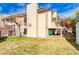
x: 64, y: 10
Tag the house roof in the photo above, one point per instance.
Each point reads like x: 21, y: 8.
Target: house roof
x: 43, y: 10
x: 9, y: 17
x: 20, y: 15
x: 24, y: 14
x: 14, y: 16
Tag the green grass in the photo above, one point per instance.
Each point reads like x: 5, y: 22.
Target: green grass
x: 33, y: 46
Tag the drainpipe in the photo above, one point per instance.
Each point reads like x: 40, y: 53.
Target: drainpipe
x: 37, y: 22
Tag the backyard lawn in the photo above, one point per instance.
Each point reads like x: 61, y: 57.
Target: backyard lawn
x: 32, y: 46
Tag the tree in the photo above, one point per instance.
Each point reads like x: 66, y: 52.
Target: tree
x: 19, y: 26
x: 75, y: 20
x: 59, y: 20
x: 68, y: 22
x: 77, y: 14
x: 17, y: 23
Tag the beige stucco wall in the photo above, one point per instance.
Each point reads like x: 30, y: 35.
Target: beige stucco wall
x: 51, y: 15
x: 32, y: 20
x: 55, y: 15
x: 42, y: 24
x: 49, y: 19
x: 20, y: 21
x: 1, y: 22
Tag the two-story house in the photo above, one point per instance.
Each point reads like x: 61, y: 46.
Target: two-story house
x: 42, y: 22
x: 34, y: 23
x: 13, y: 25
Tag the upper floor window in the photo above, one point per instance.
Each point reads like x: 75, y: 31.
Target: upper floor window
x: 25, y: 20
x: 53, y: 19
x: 3, y: 21
x: 9, y: 20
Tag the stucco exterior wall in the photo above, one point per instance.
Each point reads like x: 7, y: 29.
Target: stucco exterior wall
x: 42, y: 24
x: 32, y: 20
x: 49, y: 19
x: 55, y: 15
x: 52, y: 19
x: 1, y: 22
x: 20, y: 21
x: 6, y: 30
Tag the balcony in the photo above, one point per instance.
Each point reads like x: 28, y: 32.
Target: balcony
x: 54, y: 24
x: 8, y: 23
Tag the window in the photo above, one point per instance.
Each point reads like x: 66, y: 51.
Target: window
x: 14, y: 30
x: 53, y: 19
x: 11, y: 20
x: 3, y: 21
x: 25, y: 31
x: 10, y: 33
x: 7, y: 20
x: 25, y: 20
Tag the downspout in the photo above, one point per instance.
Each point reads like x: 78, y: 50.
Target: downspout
x: 37, y: 22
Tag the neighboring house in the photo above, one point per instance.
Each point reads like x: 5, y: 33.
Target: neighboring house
x: 11, y: 25
x: 67, y: 27
x: 22, y: 21
x: 7, y: 26
x: 36, y: 23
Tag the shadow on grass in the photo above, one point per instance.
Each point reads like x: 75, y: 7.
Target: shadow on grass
x: 2, y: 39
x: 72, y: 40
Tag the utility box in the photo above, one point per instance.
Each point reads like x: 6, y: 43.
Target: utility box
x: 77, y: 33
